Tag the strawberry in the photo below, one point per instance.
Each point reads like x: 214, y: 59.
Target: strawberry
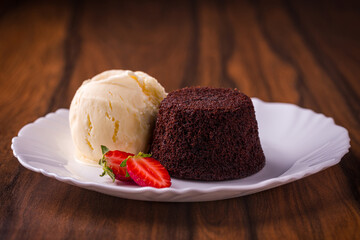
x: 111, y: 161
x: 147, y: 171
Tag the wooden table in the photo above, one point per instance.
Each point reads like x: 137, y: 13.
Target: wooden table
x: 295, y: 52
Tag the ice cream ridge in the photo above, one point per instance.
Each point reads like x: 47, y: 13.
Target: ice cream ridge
x: 116, y: 108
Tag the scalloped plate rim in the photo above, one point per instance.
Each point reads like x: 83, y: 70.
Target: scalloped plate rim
x: 237, y: 190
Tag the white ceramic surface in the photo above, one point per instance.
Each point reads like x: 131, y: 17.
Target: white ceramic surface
x: 297, y: 142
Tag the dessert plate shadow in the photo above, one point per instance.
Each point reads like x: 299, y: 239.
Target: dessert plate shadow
x: 297, y: 143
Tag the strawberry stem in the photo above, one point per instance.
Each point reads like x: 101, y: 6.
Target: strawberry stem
x: 102, y: 162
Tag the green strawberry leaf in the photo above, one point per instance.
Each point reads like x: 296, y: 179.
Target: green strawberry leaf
x: 109, y: 172
x: 141, y: 154
x: 123, y: 163
x: 104, y: 149
x: 102, y: 162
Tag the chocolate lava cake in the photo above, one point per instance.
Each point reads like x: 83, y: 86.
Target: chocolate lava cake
x: 207, y: 134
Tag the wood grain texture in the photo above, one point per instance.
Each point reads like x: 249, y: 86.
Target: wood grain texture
x: 301, y: 52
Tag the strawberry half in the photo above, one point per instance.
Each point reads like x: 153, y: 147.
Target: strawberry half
x: 146, y: 171
x: 111, y: 161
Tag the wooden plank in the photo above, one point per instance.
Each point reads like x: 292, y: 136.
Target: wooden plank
x: 295, y: 52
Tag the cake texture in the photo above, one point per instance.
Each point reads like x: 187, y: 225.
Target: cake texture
x: 207, y: 134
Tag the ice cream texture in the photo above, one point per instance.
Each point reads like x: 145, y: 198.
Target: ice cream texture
x: 116, y: 108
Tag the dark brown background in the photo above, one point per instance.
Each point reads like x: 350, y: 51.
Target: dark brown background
x: 301, y: 52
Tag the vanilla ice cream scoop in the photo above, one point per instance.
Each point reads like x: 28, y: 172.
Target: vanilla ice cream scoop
x: 117, y: 109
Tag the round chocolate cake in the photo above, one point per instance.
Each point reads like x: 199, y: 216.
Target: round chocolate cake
x: 207, y: 134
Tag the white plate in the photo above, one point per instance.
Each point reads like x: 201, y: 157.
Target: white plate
x: 297, y: 142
